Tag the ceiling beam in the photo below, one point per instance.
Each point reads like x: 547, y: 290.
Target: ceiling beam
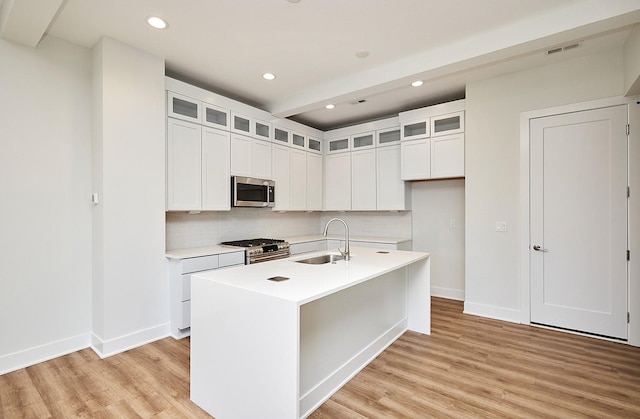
x: 26, y: 21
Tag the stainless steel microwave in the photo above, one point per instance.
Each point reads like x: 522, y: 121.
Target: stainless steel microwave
x: 252, y: 192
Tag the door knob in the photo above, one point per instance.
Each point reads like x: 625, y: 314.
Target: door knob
x: 538, y: 248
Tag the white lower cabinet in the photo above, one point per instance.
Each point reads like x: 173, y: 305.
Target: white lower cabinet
x: 281, y: 175
x: 180, y: 271
x: 197, y: 167
x: 363, y: 180
x: 392, y: 192
x: 337, y: 184
x: 314, y: 181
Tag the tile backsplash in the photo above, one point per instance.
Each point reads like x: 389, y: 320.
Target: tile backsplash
x: 208, y: 228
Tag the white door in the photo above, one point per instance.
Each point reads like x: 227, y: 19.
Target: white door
x: 579, y: 221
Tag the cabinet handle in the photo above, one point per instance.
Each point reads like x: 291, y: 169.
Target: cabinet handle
x: 538, y: 248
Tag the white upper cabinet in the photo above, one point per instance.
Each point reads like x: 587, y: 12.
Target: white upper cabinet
x: 197, y: 167
x: 298, y: 179
x: 241, y: 152
x: 416, y: 159
x: 452, y: 123
x: 216, y: 170
x: 241, y: 124
x: 183, y: 166
x: 337, y: 182
x: 363, y: 179
x: 281, y: 175
x: 262, y: 130
x: 261, y: 159
x: 314, y: 182
x: 215, y: 116
x: 434, y: 151
x: 447, y: 156
x: 392, y: 192
x: 183, y: 107
x: 363, y: 141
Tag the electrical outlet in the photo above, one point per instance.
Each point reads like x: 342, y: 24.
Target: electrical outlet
x: 501, y: 226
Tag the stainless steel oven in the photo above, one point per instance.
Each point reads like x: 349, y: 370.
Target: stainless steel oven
x: 262, y: 250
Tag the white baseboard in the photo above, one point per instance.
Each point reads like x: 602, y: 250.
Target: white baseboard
x: 35, y: 355
x: 111, y: 347
x: 448, y: 293
x: 492, y: 312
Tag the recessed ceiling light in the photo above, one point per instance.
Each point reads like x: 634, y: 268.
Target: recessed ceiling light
x: 417, y: 83
x: 330, y: 106
x: 362, y: 54
x: 268, y: 76
x: 293, y: 1
x: 157, y: 22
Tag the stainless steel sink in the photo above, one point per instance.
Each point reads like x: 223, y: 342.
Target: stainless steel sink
x: 319, y: 260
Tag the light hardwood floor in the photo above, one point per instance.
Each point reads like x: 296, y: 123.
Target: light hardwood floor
x: 468, y: 367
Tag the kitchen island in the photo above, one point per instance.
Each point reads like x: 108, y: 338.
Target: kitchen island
x: 274, y: 348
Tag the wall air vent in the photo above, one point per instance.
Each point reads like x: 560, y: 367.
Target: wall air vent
x: 563, y: 48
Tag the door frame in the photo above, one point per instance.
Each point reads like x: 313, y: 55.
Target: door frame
x: 525, y: 230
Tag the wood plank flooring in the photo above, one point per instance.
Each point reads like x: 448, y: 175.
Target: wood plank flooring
x: 468, y: 367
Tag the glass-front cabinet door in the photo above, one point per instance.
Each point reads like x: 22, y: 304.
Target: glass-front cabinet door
x: 297, y: 140
x: 417, y: 129
x: 314, y: 145
x: 262, y: 130
x: 241, y: 124
x: 215, y: 116
x: 281, y: 135
x: 452, y: 123
x: 183, y: 107
x: 389, y: 136
x: 363, y: 141
x: 338, y: 145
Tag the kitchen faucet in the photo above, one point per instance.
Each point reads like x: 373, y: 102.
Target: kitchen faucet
x: 346, y: 255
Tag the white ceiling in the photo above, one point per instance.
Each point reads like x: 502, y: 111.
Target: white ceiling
x: 225, y: 45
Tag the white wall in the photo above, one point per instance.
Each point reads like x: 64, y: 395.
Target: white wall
x: 45, y: 185
x: 209, y: 228
x: 492, y: 167
x: 632, y: 62
x: 438, y: 228
x: 130, y: 291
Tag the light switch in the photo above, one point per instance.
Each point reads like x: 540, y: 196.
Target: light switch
x: 452, y: 223
x: 501, y: 226
x: 94, y: 198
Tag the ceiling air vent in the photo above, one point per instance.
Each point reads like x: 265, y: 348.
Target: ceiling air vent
x: 558, y: 50
x: 358, y: 102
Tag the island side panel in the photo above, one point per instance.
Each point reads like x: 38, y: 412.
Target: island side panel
x: 343, y: 332
x: 419, y: 296
x: 244, y: 352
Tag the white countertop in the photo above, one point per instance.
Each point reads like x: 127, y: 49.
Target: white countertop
x: 195, y: 252
x: 310, y: 282
x: 316, y: 237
